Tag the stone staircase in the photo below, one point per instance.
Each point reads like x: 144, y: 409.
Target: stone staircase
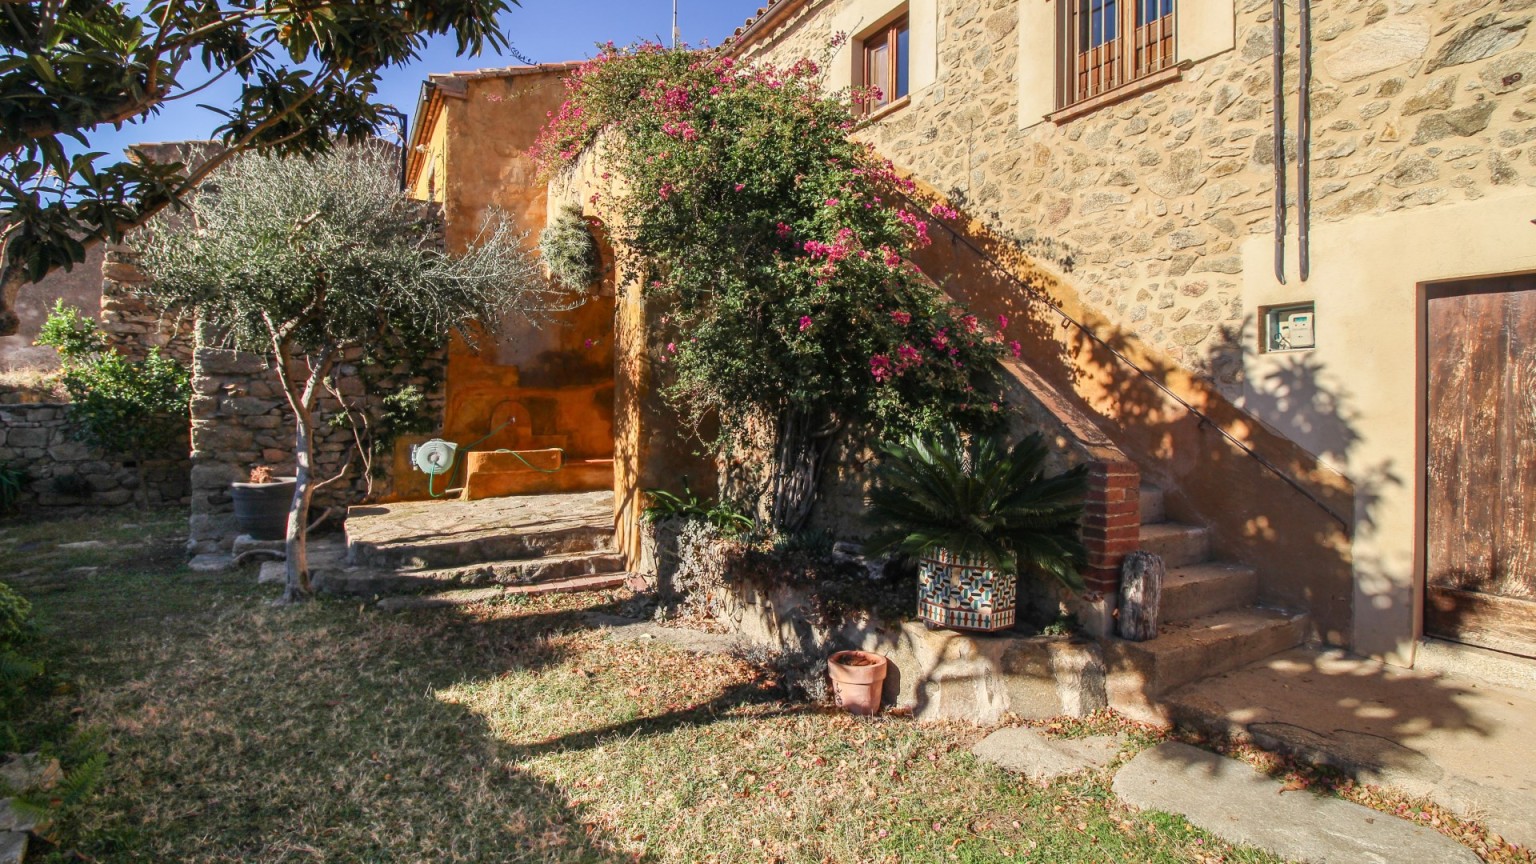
x: 442, y: 553
x: 1210, y: 620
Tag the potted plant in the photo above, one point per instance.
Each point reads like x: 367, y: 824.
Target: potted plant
x: 261, y: 506
x: 976, y: 514
x: 858, y: 678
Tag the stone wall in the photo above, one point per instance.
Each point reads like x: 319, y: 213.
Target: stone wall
x: 240, y: 419
x: 1144, y: 203
x: 62, y: 472
x: 131, y: 325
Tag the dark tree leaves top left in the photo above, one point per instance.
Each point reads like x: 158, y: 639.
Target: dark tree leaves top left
x: 308, y: 73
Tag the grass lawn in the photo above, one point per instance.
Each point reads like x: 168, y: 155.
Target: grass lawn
x: 334, y: 733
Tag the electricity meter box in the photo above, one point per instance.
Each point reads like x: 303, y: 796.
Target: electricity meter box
x: 1292, y: 327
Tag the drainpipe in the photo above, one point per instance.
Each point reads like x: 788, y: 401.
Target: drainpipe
x: 1304, y: 144
x: 1278, y: 14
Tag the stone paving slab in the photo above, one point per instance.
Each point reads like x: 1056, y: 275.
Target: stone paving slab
x: 1042, y: 759
x: 1238, y: 804
x: 696, y: 641
x: 1464, y: 742
x: 13, y: 847
x: 453, y: 533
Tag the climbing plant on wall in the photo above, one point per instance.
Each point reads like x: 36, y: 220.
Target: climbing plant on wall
x: 780, y: 246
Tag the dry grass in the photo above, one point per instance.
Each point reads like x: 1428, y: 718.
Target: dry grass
x: 334, y: 733
x: 37, y: 384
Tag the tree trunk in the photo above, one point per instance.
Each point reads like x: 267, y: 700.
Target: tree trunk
x: 1141, y: 595
x: 12, y: 278
x: 798, y: 463
x: 296, y: 584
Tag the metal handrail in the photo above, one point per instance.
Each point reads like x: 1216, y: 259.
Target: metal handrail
x: 1205, y: 419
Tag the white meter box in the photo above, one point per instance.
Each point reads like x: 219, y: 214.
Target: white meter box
x: 1292, y: 327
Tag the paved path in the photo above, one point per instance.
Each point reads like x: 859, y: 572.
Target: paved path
x: 1240, y: 805
x: 1466, y: 743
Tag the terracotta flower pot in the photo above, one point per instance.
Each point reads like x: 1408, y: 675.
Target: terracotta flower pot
x: 965, y: 594
x: 857, y: 680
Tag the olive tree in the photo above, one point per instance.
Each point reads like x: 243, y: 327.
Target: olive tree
x: 301, y: 260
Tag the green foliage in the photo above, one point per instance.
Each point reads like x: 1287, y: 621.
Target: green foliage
x: 304, y: 75
x: 328, y: 253
x: 720, y: 515
x: 15, y: 617
x: 20, y: 674
x: 75, y: 336
x: 13, y: 479
x: 570, y: 251
x: 132, y: 407
x: 779, y: 245
x: 982, y: 499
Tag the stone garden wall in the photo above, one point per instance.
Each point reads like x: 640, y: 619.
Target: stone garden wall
x: 62, y: 472
x: 240, y: 419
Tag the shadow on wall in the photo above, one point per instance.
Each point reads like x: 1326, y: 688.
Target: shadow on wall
x: 1279, y: 509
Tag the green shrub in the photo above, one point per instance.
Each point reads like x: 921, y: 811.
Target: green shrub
x: 979, y: 498
x: 134, y: 408
x: 12, y: 481
x: 15, y: 617
x: 720, y: 515
x: 570, y: 250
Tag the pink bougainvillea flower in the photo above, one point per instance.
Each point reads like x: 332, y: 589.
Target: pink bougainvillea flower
x: 1015, y: 348
x: 833, y: 202
x: 740, y: 186
x: 1002, y: 321
x: 805, y: 323
x: 784, y: 231
x: 971, y: 324
x: 944, y: 212
x: 671, y: 347
x: 880, y: 367
x: 901, y: 318
x: 666, y: 191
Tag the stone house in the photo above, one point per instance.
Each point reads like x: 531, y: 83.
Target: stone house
x: 1320, y: 353
x: 1277, y: 344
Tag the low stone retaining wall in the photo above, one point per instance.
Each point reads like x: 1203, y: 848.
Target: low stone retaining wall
x: 63, y: 472
x: 937, y: 674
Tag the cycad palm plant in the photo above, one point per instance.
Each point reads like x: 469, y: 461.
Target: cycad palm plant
x: 976, y: 515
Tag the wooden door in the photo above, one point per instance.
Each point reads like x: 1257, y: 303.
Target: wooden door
x: 1481, y: 484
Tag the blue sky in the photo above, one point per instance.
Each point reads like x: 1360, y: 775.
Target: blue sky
x: 545, y: 31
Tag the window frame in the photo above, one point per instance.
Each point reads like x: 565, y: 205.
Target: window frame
x: 1139, y: 56
x: 890, y: 33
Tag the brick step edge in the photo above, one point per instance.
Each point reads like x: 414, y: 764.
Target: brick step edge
x: 447, y: 599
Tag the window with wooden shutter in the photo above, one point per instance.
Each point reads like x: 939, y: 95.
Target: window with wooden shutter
x: 1110, y: 43
x: 887, y: 64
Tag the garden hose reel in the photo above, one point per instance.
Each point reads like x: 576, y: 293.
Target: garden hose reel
x: 434, y: 458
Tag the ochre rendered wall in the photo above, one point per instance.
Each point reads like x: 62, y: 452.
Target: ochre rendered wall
x: 557, y: 379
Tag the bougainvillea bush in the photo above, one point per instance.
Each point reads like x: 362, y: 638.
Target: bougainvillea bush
x: 779, y: 247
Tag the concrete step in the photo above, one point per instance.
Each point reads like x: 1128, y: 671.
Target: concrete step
x: 371, y: 582
x: 1141, y: 672
x: 1178, y: 545
x: 1197, y: 590
x: 425, y: 535
x: 1152, y: 505
x: 446, y: 599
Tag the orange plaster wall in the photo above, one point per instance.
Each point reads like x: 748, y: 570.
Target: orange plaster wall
x: 557, y: 379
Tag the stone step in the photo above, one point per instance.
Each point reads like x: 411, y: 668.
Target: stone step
x: 1196, y: 590
x: 425, y: 535
x: 1152, y: 505
x: 1178, y: 545
x: 370, y: 582
x: 469, y: 597
x: 1141, y: 672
